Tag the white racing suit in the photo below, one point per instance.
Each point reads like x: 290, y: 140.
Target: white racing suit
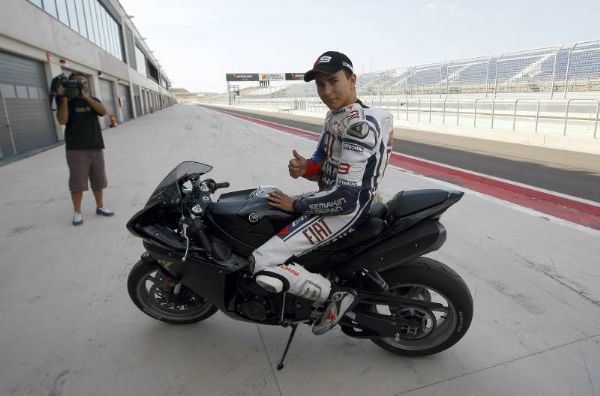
x: 349, y: 162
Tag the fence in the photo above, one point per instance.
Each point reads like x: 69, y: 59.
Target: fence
x: 571, y: 117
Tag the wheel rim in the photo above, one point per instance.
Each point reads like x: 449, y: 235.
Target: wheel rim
x: 436, y: 325
x: 159, y: 297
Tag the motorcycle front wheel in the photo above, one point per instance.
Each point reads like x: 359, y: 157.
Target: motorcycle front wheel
x: 156, y: 293
x: 425, y: 279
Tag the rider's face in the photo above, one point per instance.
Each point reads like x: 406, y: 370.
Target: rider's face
x: 336, y: 90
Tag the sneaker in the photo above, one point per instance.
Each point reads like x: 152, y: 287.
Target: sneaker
x: 340, y: 301
x: 104, y: 212
x: 77, y: 219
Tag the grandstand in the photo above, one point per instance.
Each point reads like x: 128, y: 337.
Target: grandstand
x: 545, y: 91
x: 557, y: 69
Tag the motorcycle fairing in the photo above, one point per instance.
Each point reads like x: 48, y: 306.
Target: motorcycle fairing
x: 229, y: 286
x: 246, y: 221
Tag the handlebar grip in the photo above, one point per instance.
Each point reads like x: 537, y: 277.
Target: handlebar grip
x: 222, y: 185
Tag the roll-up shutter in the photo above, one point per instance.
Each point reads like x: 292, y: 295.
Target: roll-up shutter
x: 25, y: 118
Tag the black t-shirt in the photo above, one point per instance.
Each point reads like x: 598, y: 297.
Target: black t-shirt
x: 83, y: 129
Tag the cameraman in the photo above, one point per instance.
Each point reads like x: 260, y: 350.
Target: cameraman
x: 83, y: 139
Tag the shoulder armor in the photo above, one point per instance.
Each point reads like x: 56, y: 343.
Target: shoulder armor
x: 359, y: 129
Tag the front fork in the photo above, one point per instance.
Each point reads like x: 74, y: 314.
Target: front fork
x: 169, y: 282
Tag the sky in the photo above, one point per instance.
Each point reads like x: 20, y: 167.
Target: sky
x: 198, y: 41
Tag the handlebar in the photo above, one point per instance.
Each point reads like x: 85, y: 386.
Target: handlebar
x: 214, y: 186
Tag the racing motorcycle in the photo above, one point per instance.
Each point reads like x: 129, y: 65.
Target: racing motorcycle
x: 197, y: 262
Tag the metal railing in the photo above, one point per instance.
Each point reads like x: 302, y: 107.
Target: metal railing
x: 509, y: 111
x: 573, y: 117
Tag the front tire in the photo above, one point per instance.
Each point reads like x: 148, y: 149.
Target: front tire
x: 429, y: 280
x: 156, y: 293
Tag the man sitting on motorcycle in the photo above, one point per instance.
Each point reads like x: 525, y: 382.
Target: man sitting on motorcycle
x: 348, y: 164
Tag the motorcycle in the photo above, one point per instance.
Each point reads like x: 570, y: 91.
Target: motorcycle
x: 197, y: 262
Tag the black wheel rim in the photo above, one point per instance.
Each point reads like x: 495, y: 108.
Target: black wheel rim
x: 157, y: 292
x: 436, y: 325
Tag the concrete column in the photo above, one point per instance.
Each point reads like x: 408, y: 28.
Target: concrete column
x: 52, y: 70
x: 118, y: 109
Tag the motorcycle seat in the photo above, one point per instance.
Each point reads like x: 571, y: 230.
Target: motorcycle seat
x: 370, y: 228
x: 408, y: 202
x: 378, y: 210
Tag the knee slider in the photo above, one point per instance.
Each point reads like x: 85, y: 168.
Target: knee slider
x: 260, y: 261
x: 272, y: 281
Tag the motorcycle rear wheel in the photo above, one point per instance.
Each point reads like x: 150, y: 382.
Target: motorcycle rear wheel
x: 426, y: 279
x: 152, y: 290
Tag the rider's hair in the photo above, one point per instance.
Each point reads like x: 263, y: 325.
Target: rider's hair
x: 77, y: 74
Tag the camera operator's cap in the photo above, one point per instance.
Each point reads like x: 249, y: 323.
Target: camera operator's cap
x: 329, y: 62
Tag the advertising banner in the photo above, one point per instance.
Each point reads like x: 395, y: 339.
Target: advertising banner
x: 272, y: 76
x: 264, y: 76
x: 241, y: 76
x: 294, y: 76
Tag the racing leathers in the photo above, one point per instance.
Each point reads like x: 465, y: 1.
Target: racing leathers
x: 348, y: 164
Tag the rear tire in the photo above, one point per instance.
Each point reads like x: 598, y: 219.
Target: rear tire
x: 429, y: 280
x: 152, y: 290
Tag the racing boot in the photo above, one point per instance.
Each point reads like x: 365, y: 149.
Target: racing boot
x: 340, y: 301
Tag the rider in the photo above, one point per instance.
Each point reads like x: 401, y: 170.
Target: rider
x: 349, y: 163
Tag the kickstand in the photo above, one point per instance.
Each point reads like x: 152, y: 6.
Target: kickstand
x: 280, y: 365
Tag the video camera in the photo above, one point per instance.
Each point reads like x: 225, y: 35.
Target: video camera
x: 72, y: 87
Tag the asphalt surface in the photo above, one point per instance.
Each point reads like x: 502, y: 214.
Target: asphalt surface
x: 69, y: 328
x: 565, y: 172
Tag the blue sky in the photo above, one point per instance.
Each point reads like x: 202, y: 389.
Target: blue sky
x: 198, y: 41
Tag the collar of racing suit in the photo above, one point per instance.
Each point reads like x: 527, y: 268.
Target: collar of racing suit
x: 347, y: 108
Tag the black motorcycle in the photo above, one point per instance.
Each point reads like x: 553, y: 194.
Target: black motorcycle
x: 196, y: 262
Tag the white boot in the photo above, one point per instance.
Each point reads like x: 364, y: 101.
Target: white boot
x: 295, y: 279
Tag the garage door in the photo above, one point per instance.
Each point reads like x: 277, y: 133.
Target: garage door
x: 108, y: 100
x: 25, y: 118
x: 123, y: 91
x: 138, y: 100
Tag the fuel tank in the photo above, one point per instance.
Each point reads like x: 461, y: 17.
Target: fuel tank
x: 246, y: 220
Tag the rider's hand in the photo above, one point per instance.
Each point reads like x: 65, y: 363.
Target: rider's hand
x: 84, y: 92
x: 280, y: 200
x: 297, y: 165
x: 60, y: 90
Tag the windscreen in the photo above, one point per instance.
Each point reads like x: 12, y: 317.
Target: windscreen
x: 168, y: 189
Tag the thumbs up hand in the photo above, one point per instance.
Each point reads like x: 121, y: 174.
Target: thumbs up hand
x: 297, y: 165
